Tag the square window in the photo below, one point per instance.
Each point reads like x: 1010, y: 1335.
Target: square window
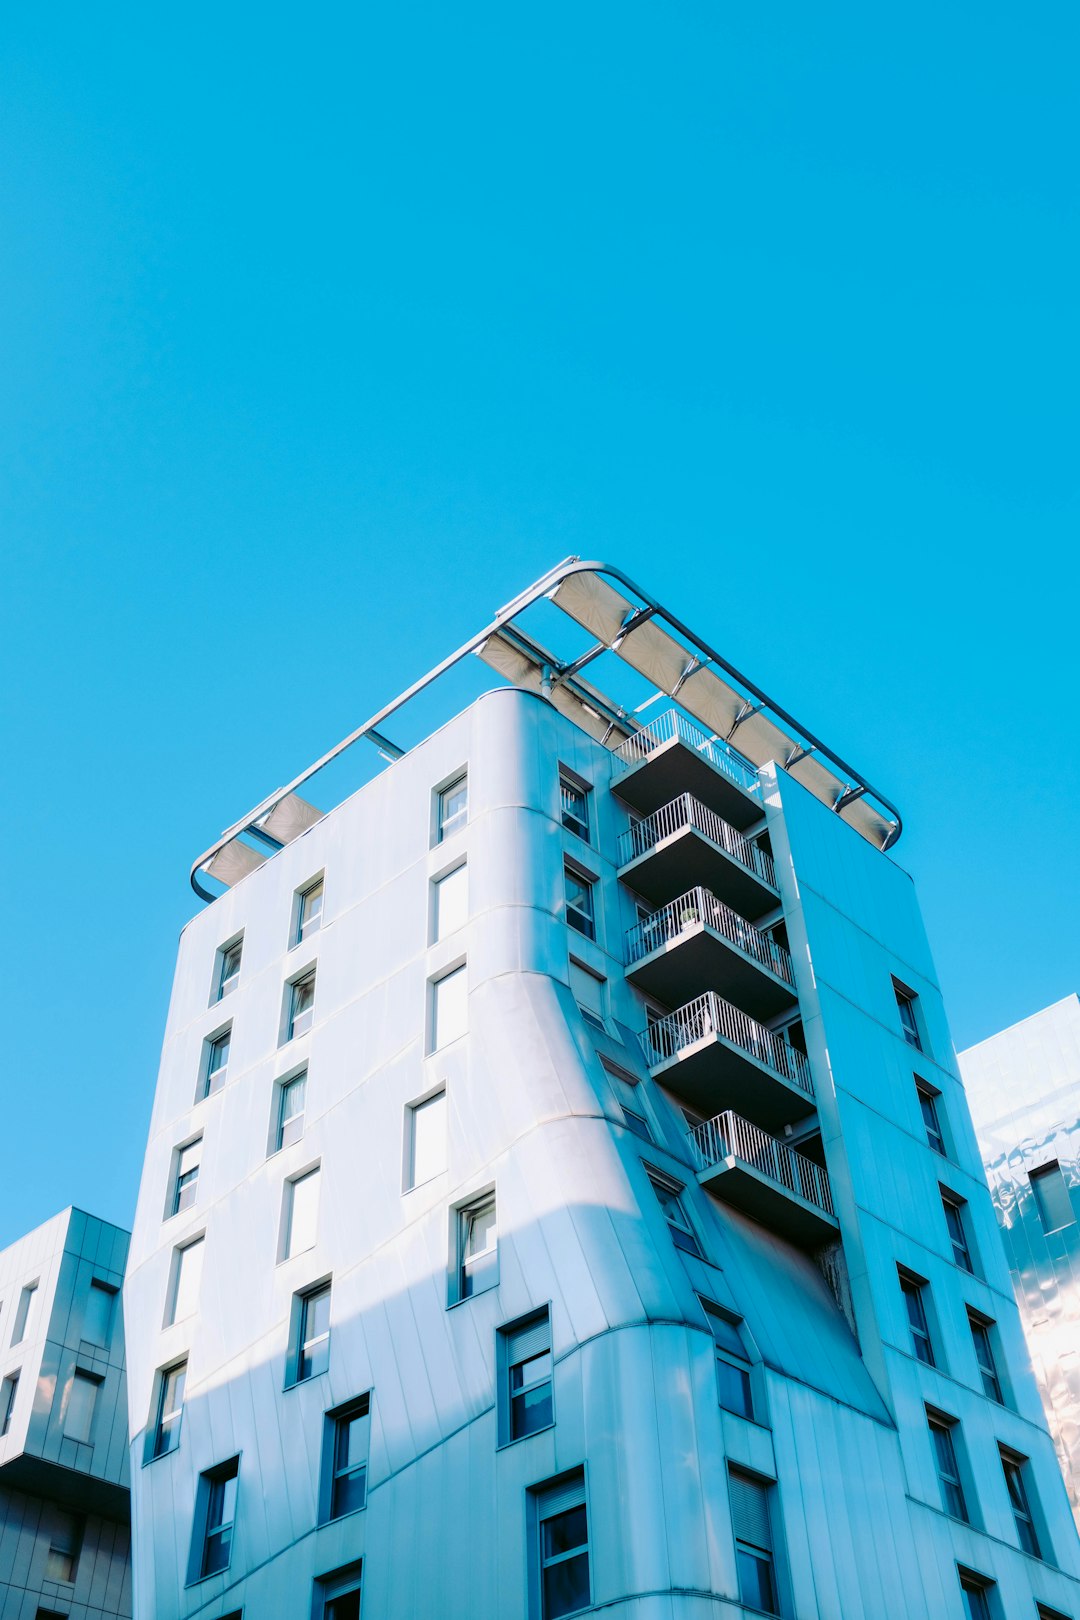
x: 425, y: 1140
x: 669, y: 1197
x: 345, y: 1458
x: 449, y: 1008
x: 752, y: 1522
x: 185, y: 1177
x: 574, y: 800
x: 228, y: 969
x: 309, y: 909
x: 215, y: 1063
x: 216, y: 1519
x: 300, y: 1005
x: 80, y: 1407
x: 311, y: 1346
x: 8, y: 1391
x: 169, y: 1409
x: 915, y: 1291
x: 929, y: 1107
x: 25, y: 1314
x: 1052, y: 1198
x: 291, y: 1102
x: 185, y: 1282
x: 98, y: 1316
x: 563, y: 1584
x: 942, y: 1432
x: 954, y: 1208
x: 524, y: 1371
x: 300, y: 1214
x: 453, y: 808
x: 450, y: 902
x: 732, y: 1363
x: 909, y: 1020
x: 65, y: 1545
x: 476, y: 1247
x: 580, y: 901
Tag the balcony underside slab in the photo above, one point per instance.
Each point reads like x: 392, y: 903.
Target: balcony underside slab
x: 687, y: 858
x: 737, y: 1183
x: 673, y: 767
x: 712, y: 1075
x: 700, y: 959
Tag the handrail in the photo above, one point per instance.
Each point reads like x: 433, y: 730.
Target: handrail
x: 710, y: 1014
x: 700, y: 906
x: 671, y: 724
x: 686, y: 811
x: 728, y: 1135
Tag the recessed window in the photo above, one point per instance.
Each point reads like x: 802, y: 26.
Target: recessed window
x: 916, y: 1291
x: 1045, y: 1612
x: 453, y: 808
x: 943, y: 1431
x: 185, y: 1176
x: 752, y: 1523
x: 300, y: 1005
x: 732, y: 1363
x: 291, y: 1103
x: 589, y: 990
x: 524, y: 1369
x: 300, y: 1214
x: 574, y: 798
x: 311, y: 1347
x: 228, y: 969
x: 345, y: 1458
x: 929, y: 1107
x: 477, y: 1246
x: 669, y: 1197
x: 81, y: 1407
x: 25, y: 1314
x: 450, y: 902
x: 309, y: 909
x: 1052, y: 1198
x: 337, y: 1596
x: 185, y: 1282
x: 981, y: 1329
x: 955, y: 1209
x: 628, y: 1095
x: 65, y: 1545
x: 976, y: 1591
x: 215, y: 1063
x: 8, y: 1391
x: 218, y: 1497
x: 425, y: 1140
x: 98, y: 1315
x: 580, y: 901
x: 562, y: 1524
x: 449, y: 1008
x: 170, y: 1409
x: 1015, y: 1468
x: 909, y: 1019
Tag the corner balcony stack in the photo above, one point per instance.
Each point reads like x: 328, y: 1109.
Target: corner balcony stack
x: 697, y: 941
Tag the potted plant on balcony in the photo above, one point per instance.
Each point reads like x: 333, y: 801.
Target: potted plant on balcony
x: 688, y: 916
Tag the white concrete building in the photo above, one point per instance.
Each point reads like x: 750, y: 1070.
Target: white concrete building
x: 1024, y: 1090
x: 560, y: 1196
x: 64, y: 1510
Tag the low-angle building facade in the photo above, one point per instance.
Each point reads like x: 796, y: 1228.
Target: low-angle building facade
x: 64, y: 1500
x: 1023, y: 1086
x: 560, y: 1195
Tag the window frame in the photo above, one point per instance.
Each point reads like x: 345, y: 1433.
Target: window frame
x: 445, y: 827
x: 972, y: 1583
x: 508, y: 1358
x: 291, y: 1012
x: 26, y: 1312
x: 434, y: 1041
x: 667, y: 1188
x: 962, y: 1247
x: 302, y: 1341
x: 438, y: 931
x: 1016, y: 1471
x: 288, y: 1211
x: 409, y: 1180
x: 225, y: 982
x: 1036, y: 1177
x: 993, y: 1385
x: 9, y: 1394
x: 463, y: 1286
x: 305, y: 925
x: 71, y: 1551
x: 595, y: 1020
x: 335, y: 1584
x: 278, y: 1123
x: 562, y: 1495
x: 178, y: 1185
x: 908, y: 1012
x: 205, y: 1529
x: 952, y: 1486
x: 620, y: 1080
x: 917, y: 1289
x: 739, y: 1361
x: 89, y: 1382
x: 571, y: 783
x: 176, y: 1270
x: 211, y: 1079
x: 333, y: 1422
x: 763, y: 1556
x: 583, y: 920
x: 99, y: 1287
x: 167, y: 1423
x: 929, y: 1099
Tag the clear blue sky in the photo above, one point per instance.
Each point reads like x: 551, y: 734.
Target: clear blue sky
x: 304, y: 314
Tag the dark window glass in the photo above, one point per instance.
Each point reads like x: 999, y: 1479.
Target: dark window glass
x: 564, y: 1560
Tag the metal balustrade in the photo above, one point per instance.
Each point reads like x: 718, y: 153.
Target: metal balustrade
x: 710, y: 1014
x: 672, y: 724
x: 686, y: 811
x: 731, y: 1136
x: 699, y: 906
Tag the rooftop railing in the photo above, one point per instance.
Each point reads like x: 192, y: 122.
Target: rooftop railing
x: 673, y: 724
x: 699, y: 906
x: 730, y: 1136
x: 686, y: 811
x: 710, y: 1014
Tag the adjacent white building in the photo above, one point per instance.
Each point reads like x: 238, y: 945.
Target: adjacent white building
x: 1023, y: 1086
x: 560, y: 1195
x: 64, y: 1505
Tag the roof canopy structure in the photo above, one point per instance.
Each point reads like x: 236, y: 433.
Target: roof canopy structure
x: 620, y: 620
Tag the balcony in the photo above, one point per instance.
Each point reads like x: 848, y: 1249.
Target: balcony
x: 685, y: 843
x: 671, y: 755
x: 696, y: 942
x: 715, y: 1057
x: 752, y: 1171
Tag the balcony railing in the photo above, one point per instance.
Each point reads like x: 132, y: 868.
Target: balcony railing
x: 686, y: 811
x: 699, y: 906
x: 672, y: 725
x: 731, y: 1136
x: 709, y: 1015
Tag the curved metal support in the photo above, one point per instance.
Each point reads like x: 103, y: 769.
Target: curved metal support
x: 545, y: 586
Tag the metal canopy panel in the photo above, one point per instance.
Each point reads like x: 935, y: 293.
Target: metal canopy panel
x: 761, y: 740
x: 656, y: 655
x: 234, y: 862
x: 817, y: 778
x: 508, y: 658
x: 288, y: 819
x: 711, y: 700
x: 869, y: 822
x: 594, y: 604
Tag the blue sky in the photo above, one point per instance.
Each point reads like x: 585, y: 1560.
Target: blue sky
x: 307, y: 319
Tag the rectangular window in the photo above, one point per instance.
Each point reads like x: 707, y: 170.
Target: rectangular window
x: 300, y: 1214
x: 292, y: 1099
x: 574, y: 798
x: 981, y: 1327
x: 928, y: 1105
x: 752, y: 1524
x: 345, y: 1458
x: 450, y: 900
x: 81, y: 1407
x: 732, y: 1363
x: 228, y: 969
x: 1015, y: 1468
x: 215, y: 1063
x: 449, y: 1008
x: 563, y: 1552
x: 309, y: 907
x: 1045, y: 1612
x: 25, y: 1314
x: 477, y: 1246
x: 1052, y: 1197
x: 65, y: 1545
x: 301, y: 994
x: 337, y: 1596
x: 668, y: 1194
x: 170, y: 1408
x: 185, y: 1182
x: 311, y: 1354
x: 915, y: 1291
x: 628, y: 1095
x: 942, y: 1430
x: 453, y: 808
x: 98, y: 1316
x: 976, y: 1594
x: 185, y: 1283
x: 953, y: 1207
x: 909, y: 1023
x: 425, y: 1146
x: 580, y: 902
x: 8, y: 1391
x: 220, y: 1488
x: 524, y: 1370
x: 590, y: 992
